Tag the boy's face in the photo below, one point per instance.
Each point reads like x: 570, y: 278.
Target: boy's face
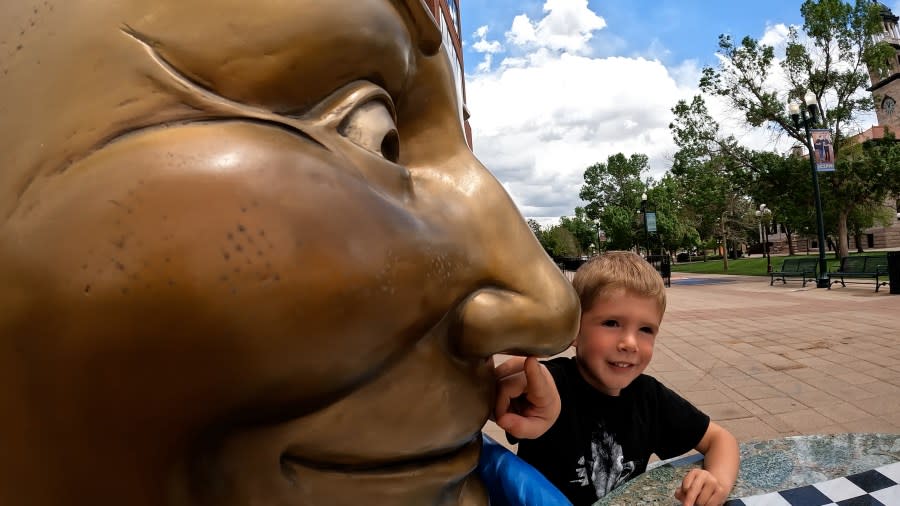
x: 615, y: 341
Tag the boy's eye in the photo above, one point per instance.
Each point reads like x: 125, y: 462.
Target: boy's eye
x: 647, y: 330
x: 610, y: 323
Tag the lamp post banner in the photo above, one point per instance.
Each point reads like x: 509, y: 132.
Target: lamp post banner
x: 823, y: 149
x: 651, y: 221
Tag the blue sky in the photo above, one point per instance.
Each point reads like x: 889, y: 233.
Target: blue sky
x: 554, y: 86
x: 688, y: 29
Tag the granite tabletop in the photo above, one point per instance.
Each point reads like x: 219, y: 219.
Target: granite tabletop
x: 767, y: 466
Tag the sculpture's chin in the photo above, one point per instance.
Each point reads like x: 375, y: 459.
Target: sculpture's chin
x: 447, y: 479
x: 251, y: 468
x: 399, y: 465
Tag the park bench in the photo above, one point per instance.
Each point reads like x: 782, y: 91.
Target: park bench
x: 796, y: 268
x: 863, y: 268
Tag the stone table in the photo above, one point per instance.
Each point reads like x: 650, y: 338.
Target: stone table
x: 767, y: 466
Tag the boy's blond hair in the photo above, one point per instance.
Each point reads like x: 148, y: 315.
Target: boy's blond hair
x: 618, y: 270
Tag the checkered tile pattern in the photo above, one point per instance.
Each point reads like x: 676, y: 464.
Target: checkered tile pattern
x: 878, y: 487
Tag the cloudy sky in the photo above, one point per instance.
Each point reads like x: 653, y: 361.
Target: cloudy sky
x: 554, y: 86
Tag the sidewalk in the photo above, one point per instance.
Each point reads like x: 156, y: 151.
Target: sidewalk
x: 767, y: 362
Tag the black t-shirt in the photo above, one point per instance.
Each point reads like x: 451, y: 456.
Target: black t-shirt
x: 600, y: 442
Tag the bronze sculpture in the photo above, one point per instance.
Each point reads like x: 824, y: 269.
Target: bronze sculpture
x: 246, y: 257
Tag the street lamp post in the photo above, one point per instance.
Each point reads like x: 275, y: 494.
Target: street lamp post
x: 644, y: 214
x: 764, y: 213
x: 809, y: 119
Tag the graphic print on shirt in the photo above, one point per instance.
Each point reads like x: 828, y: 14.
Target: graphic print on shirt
x: 606, y: 468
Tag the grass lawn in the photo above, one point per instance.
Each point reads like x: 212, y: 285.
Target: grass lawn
x: 755, y: 266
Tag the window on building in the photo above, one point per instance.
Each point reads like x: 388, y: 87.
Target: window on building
x: 454, y: 63
x: 454, y: 13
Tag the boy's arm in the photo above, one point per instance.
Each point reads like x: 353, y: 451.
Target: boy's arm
x: 528, y: 402
x: 721, y: 459
x: 721, y: 455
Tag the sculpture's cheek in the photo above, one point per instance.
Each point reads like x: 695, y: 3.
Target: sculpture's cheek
x: 218, y: 267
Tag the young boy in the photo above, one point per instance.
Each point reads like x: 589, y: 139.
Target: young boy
x: 613, y: 417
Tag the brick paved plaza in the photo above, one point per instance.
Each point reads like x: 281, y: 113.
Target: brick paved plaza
x: 783, y: 360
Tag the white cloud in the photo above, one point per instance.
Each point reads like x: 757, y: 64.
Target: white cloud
x: 686, y: 73
x: 657, y: 51
x: 537, y: 127
x: 550, y: 109
x: 522, y: 31
x: 482, y: 45
x: 485, y: 46
x: 776, y: 36
x: 485, y: 65
x: 567, y: 26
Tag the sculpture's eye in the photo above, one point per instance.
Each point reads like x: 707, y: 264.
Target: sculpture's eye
x: 371, y: 126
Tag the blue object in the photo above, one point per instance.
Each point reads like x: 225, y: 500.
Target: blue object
x: 513, y: 482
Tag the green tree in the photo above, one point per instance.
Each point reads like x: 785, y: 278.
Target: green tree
x: 535, y: 227
x: 832, y: 57
x: 782, y: 183
x: 675, y: 231
x: 710, y: 173
x: 873, y: 174
x: 562, y: 243
x: 582, y: 228
x: 540, y: 234
x: 613, y: 191
x: 621, y: 228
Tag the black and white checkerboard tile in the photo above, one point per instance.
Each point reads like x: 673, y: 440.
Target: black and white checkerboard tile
x: 878, y: 487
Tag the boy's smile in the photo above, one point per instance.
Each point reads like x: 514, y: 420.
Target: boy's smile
x: 615, y: 342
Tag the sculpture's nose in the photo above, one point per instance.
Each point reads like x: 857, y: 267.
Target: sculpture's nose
x: 530, y: 307
x: 500, y: 321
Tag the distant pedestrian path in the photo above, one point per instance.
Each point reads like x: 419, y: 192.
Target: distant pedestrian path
x: 702, y: 281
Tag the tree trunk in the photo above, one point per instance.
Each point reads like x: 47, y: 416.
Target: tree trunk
x: 857, y: 238
x: 725, y: 243
x: 841, y: 246
x: 790, y: 241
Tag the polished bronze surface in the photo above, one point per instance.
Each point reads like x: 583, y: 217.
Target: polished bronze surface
x: 247, y: 258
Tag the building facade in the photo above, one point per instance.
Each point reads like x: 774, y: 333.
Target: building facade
x: 885, y: 91
x: 885, y: 88
x: 446, y: 15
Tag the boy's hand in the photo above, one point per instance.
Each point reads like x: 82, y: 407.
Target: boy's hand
x: 701, y: 488
x: 527, y: 400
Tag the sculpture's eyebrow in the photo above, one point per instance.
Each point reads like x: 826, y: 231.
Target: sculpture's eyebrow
x: 216, y: 105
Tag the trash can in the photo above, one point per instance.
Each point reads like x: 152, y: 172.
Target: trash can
x: 663, y: 265
x: 893, y: 260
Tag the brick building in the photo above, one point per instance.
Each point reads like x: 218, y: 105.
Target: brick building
x: 446, y: 14
x: 885, y: 91
x: 886, y: 88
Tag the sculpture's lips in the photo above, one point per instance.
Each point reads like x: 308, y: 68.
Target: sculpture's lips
x: 466, y: 452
